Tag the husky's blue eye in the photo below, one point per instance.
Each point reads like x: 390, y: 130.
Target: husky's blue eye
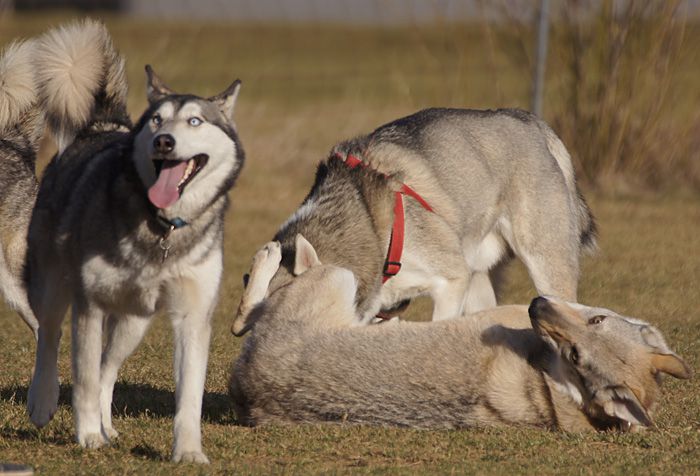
x: 157, y: 120
x: 194, y: 121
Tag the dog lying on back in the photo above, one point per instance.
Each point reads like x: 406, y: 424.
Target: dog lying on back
x: 565, y: 366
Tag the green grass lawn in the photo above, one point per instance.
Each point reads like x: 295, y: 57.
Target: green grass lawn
x: 304, y: 91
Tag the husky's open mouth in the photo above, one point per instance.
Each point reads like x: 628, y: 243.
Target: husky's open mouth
x: 172, y: 176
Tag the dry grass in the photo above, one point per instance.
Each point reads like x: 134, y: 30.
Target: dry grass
x: 618, y: 91
x: 303, y: 91
x: 616, y: 86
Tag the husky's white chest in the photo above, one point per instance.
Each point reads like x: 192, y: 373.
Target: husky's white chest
x: 134, y: 289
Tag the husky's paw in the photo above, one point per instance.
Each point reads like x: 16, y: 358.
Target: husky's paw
x: 42, y: 402
x: 266, y: 261
x: 190, y: 457
x: 92, y: 441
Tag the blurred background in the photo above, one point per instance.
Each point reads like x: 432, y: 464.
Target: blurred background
x: 619, y: 79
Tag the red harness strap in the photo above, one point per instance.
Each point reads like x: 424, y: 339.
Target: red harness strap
x: 392, y: 265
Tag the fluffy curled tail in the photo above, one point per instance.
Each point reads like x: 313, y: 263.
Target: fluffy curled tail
x: 20, y: 115
x: 81, y: 79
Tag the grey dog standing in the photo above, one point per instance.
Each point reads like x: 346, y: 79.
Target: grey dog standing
x: 499, y: 182
x: 128, y: 221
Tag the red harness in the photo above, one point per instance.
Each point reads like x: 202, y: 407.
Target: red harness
x: 392, y: 265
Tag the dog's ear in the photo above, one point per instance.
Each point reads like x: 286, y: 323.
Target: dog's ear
x: 305, y: 256
x: 625, y: 406
x: 671, y: 364
x: 226, y: 101
x: 155, y: 87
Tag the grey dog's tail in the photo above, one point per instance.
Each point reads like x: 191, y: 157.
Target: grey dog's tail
x: 81, y: 80
x: 587, y: 227
x: 21, y: 121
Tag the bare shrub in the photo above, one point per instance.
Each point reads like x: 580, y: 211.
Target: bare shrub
x: 612, y: 86
x: 618, y: 70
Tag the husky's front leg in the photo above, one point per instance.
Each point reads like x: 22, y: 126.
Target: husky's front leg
x: 123, y: 335
x: 86, y: 350
x: 192, y: 300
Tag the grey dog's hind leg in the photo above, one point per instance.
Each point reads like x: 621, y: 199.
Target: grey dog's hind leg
x: 480, y: 293
x: 449, y: 297
x: 548, y: 245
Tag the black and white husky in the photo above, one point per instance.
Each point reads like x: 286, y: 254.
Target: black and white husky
x: 128, y: 221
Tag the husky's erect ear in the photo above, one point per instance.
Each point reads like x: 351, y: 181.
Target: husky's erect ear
x: 671, y: 364
x: 624, y: 405
x: 155, y: 87
x: 227, y: 100
x: 305, y: 257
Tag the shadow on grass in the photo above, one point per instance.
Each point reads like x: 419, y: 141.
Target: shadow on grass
x: 148, y: 452
x: 139, y: 401
x: 130, y: 400
x: 18, y: 394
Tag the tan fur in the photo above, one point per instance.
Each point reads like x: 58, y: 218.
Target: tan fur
x: 411, y: 168
x: 17, y: 83
x: 71, y: 75
x: 306, y: 360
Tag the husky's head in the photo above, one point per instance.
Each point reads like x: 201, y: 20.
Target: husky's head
x: 186, y: 149
x: 611, y: 364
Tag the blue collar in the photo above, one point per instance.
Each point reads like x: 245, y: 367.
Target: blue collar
x: 173, y: 224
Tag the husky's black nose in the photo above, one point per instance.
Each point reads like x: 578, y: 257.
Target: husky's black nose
x: 537, y: 305
x: 164, y: 143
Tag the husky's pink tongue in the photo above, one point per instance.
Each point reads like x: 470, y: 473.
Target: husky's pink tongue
x: 164, y: 192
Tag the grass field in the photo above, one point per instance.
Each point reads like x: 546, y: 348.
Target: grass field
x: 305, y: 89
